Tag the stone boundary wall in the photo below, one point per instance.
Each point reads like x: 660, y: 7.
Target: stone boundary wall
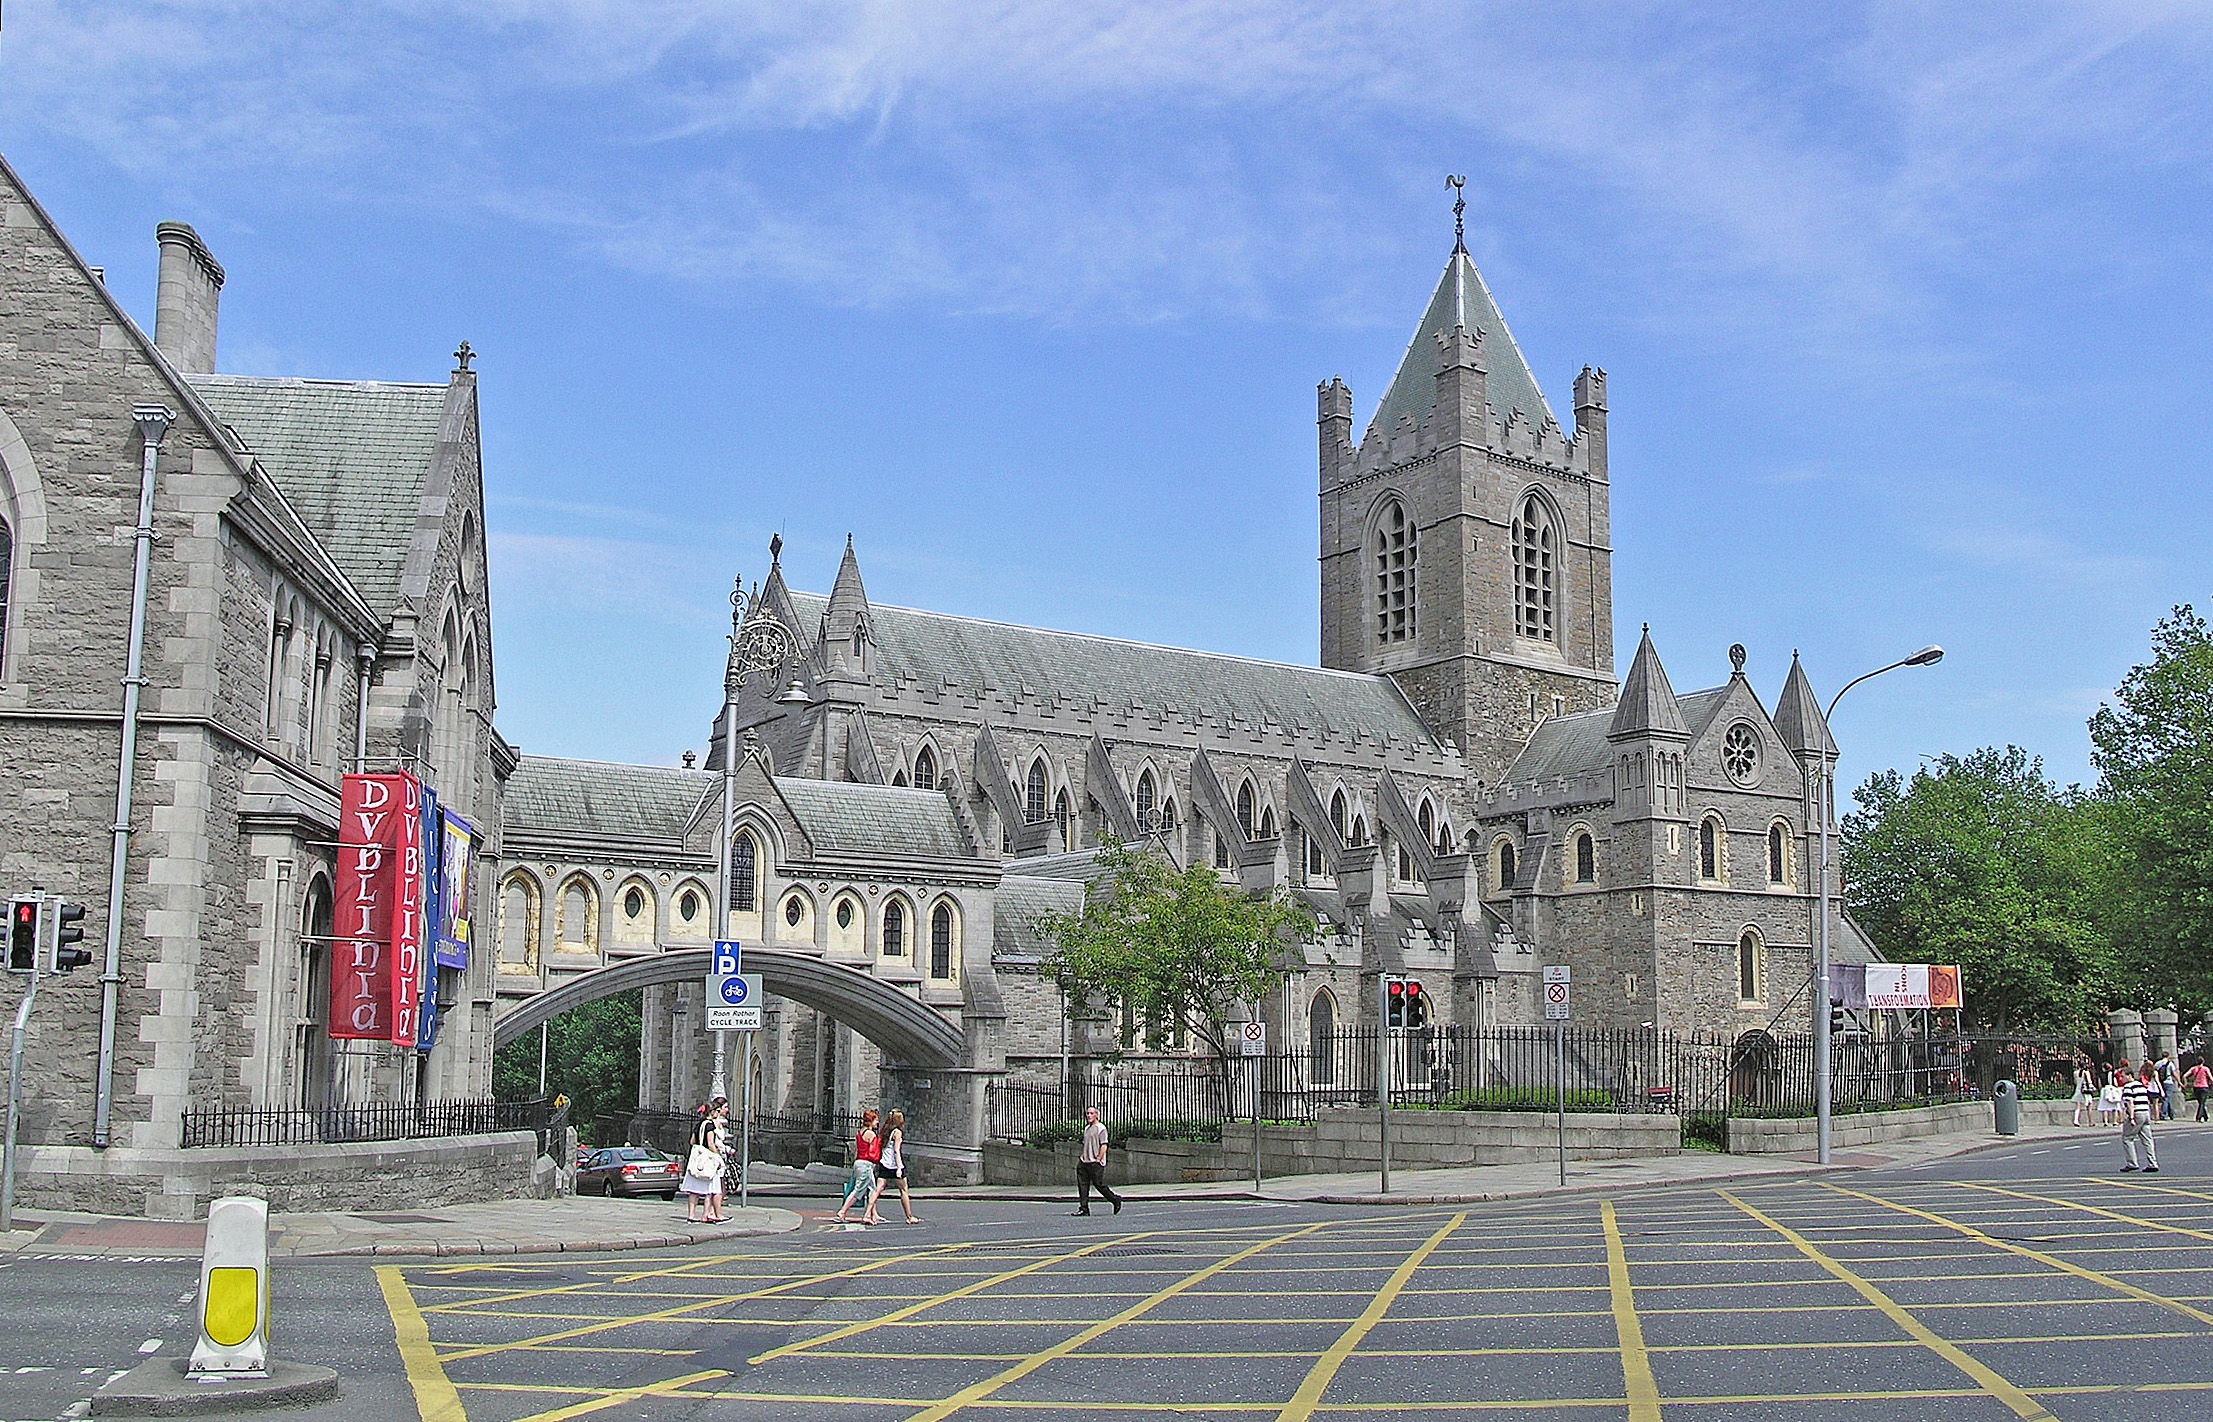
x: 360, y: 1175
x: 1749, y: 1136
x: 1346, y: 1141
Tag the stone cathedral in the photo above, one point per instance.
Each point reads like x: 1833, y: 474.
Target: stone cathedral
x: 1463, y: 791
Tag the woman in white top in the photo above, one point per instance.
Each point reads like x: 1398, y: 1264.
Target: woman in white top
x: 2086, y: 1093
x: 2109, y: 1098
x: 892, y: 1165
x: 703, y: 1166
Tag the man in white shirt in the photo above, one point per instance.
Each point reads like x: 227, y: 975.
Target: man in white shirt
x: 2137, y: 1098
x: 1091, y: 1164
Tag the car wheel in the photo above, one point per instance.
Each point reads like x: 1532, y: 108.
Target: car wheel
x: 669, y: 1195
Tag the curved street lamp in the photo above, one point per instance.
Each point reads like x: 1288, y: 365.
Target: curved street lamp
x: 1825, y: 807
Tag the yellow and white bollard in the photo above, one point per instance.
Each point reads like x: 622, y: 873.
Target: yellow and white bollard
x: 234, y: 1292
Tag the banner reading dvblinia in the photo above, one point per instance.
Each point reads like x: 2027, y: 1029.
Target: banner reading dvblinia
x: 376, y: 961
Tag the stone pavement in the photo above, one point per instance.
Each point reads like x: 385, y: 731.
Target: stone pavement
x: 580, y: 1223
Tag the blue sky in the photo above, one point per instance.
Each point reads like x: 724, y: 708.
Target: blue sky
x: 1905, y: 308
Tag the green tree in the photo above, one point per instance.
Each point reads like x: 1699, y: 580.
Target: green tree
x: 2153, y: 747
x: 591, y: 1058
x: 1177, y: 947
x: 1981, y: 861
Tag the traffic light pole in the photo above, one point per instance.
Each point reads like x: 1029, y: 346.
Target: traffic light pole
x: 1383, y: 1079
x: 15, y: 1097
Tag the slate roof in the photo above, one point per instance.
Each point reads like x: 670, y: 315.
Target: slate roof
x: 1020, y: 903
x: 1565, y: 746
x: 351, y: 456
x: 1700, y: 708
x: 973, y: 653
x: 1461, y: 299
x: 604, y: 800
x: 847, y: 818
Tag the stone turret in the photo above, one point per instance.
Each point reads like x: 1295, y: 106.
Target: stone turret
x: 847, y: 639
x: 1649, y: 736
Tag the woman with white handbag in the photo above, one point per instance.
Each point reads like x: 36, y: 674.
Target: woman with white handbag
x: 703, y: 1166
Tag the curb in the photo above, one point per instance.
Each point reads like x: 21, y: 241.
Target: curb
x: 434, y: 1248
x: 159, y: 1388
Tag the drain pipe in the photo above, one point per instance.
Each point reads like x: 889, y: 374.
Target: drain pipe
x: 365, y: 658
x: 153, y: 426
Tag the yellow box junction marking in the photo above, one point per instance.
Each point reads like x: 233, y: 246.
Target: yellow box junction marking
x: 976, y: 1392
x: 663, y: 1388
x: 1317, y: 1380
x: 900, y: 1315
x: 1986, y: 1377
x: 2092, y: 1209
x: 435, y: 1397
x: 2092, y: 1275
x: 1636, y: 1363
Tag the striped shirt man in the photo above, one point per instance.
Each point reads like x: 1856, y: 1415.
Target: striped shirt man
x: 2137, y: 1097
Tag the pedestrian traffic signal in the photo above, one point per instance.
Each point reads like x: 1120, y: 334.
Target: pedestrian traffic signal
x: 67, y: 935
x: 23, y: 924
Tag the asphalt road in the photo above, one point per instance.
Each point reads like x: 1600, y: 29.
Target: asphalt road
x: 2030, y: 1282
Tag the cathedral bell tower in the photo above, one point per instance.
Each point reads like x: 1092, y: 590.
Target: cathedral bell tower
x: 1465, y: 544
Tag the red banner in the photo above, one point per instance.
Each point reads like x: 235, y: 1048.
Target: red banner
x: 376, y: 961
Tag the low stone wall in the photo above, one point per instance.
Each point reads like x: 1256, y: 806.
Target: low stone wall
x: 1346, y: 1141
x: 360, y: 1175
x: 1748, y: 1136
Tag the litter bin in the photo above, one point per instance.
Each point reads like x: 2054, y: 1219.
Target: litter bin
x: 2007, y: 1099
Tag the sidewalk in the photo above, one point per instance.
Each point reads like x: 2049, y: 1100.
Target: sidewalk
x: 596, y: 1223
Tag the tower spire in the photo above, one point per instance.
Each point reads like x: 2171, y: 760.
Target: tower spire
x: 1458, y: 182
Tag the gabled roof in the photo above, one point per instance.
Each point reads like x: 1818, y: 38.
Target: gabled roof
x: 846, y: 818
x: 597, y: 799
x: 1461, y: 299
x: 352, y: 456
x: 1019, y: 904
x: 973, y: 654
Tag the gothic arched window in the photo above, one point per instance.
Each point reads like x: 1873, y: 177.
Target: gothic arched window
x: 1337, y: 818
x: 1146, y: 794
x: 1066, y: 819
x: 941, y: 942
x: 1536, y: 553
x: 1778, y: 854
x: 1709, y: 848
x: 1505, y: 865
x: 1749, y: 975
x: 1394, y: 574
x: 1245, y: 808
x: 1586, y: 859
x: 1033, y: 794
x: 925, y: 769
x: 1321, y: 1038
x: 745, y: 865
x: 1267, y: 824
x: 895, y: 929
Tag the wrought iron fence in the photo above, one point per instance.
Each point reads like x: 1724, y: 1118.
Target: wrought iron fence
x: 365, y: 1121
x: 1755, y: 1073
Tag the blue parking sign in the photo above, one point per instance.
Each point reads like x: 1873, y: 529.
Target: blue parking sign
x: 726, y: 955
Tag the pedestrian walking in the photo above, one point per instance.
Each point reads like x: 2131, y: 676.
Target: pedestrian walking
x: 704, y: 1166
x: 2086, y: 1092
x: 2170, y: 1087
x: 891, y: 1167
x: 2200, y: 1080
x: 1091, y: 1162
x: 2137, y: 1106
x: 867, y: 1148
x: 2109, y: 1096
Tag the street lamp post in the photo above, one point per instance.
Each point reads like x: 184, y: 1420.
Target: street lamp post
x: 1825, y: 809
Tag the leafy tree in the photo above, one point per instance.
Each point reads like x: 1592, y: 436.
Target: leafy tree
x: 2153, y: 746
x: 1981, y: 861
x: 591, y: 1057
x: 1178, y: 947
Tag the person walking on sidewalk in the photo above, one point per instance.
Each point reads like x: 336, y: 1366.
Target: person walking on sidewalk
x: 2137, y: 1107
x: 2086, y: 1092
x: 868, y: 1147
x: 2170, y: 1088
x: 2200, y: 1079
x: 704, y: 1166
x: 1091, y: 1164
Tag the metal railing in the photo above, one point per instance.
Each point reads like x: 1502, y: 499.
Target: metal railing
x: 364, y: 1121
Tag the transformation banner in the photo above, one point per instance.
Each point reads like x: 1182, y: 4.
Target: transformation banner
x: 456, y: 881
x: 1922, y: 985
x: 376, y: 961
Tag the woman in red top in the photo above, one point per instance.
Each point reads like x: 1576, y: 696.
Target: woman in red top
x: 868, y: 1147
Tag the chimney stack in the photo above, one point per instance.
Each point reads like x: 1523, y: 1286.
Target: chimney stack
x: 184, y: 303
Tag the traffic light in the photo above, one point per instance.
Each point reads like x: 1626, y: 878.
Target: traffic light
x: 1837, y: 1019
x: 1403, y: 1005
x: 23, y: 925
x: 67, y: 935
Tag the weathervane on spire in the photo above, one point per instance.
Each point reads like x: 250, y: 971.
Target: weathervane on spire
x: 1458, y: 182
